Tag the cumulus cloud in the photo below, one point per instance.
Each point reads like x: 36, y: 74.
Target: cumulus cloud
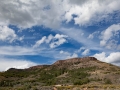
x: 107, y: 35
x: 90, y: 12
x: 100, y: 56
x: 53, y: 41
x: 60, y: 40
x: 7, y: 34
x: 113, y: 57
x: 6, y: 63
x: 51, y: 13
x: 32, y: 12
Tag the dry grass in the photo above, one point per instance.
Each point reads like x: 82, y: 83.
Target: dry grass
x: 90, y: 87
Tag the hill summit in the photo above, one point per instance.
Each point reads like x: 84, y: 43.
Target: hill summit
x: 75, y: 60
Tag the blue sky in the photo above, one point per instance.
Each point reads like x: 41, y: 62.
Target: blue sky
x: 36, y: 32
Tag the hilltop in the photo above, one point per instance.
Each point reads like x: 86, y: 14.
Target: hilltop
x: 75, y: 71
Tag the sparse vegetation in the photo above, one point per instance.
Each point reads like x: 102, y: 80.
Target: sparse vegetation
x: 80, y: 74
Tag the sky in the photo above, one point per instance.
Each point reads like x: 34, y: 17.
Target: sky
x: 35, y: 32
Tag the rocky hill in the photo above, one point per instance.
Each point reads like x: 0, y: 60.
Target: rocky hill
x: 75, y: 71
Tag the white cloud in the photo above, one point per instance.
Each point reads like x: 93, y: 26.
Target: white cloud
x: 90, y: 12
x: 51, y: 13
x: 100, y: 56
x: 78, y: 2
x: 27, y: 13
x: 60, y: 40
x: 7, y: 34
x: 63, y: 52
x: 107, y: 35
x: 6, y: 63
x: 39, y: 42
x: 74, y: 55
x: 66, y: 55
x: 113, y: 57
x: 50, y: 37
x: 53, y: 41
x: 86, y: 52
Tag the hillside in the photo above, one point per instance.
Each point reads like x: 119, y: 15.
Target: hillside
x: 75, y: 71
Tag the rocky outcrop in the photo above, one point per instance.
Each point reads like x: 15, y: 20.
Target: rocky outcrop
x: 75, y: 60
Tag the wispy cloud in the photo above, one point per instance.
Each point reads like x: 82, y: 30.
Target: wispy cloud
x: 17, y: 50
x: 94, y: 35
x: 82, y: 39
x: 86, y: 52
